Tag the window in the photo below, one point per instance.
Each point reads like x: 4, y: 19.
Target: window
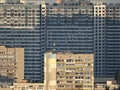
x: 70, y: 60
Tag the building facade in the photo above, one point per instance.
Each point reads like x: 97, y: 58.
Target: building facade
x: 11, y: 65
x: 28, y: 86
x: 10, y: 1
x: 112, y: 39
x: 23, y: 25
x: 82, y: 27
x: 99, y: 39
x: 69, y: 26
x: 106, y: 39
x: 68, y: 71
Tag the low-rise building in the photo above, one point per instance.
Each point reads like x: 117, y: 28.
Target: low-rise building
x: 99, y: 86
x: 28, y: 86
x: 112, y: 85
x: 6, y: 88
x: 11, y: 65
x: 68, y: 71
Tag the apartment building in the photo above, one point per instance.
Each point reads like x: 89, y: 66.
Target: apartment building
x: 106, y: 39
x: 68, y: 71
x: 99, y: 39
x: 69, y: 26
x: 22, y: 25
x: 28, y: 86
x: 11, y: 65
x: 112, y: 39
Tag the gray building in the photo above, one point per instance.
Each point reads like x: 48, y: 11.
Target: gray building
x: 106, y: 39
x: 82, y: 27
x: 22, y: 25
x: 99, y: 39
x: 69, y: 26
x: 112, y: 39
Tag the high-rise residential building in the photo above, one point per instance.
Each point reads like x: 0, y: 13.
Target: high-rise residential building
x: 69, y: 26
x: 99, y: 39
x: 106, y: 39
x: 112, y: 39
x: 11, y: 65
x: 22, y: 25
x: 82, y: 27
x: 68, y: 71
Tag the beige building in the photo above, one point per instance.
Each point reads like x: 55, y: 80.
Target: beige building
x: 112, y: 85
x: 100, y: 86
x: 28, y: 86
x: 11, y: 65
x: 6, y: 89
x: 68, y: 71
